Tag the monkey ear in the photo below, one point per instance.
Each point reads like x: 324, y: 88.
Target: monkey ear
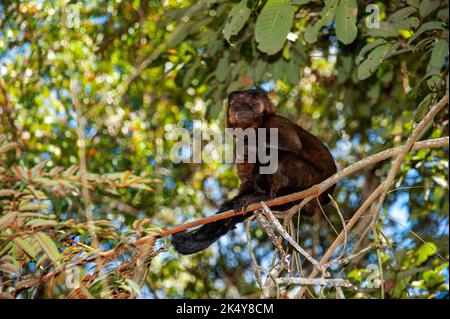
x: 261, y: 93
x: 269, y: 108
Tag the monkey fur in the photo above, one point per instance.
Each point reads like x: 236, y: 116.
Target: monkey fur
x: 303, y: 161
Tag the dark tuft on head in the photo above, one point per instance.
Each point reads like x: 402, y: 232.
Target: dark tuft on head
x: 254, y: 93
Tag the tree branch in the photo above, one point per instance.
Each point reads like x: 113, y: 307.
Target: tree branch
x: 310, y: 192
x: 382, y: 188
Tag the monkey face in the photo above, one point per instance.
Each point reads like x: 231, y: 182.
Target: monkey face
x: 248, y: 108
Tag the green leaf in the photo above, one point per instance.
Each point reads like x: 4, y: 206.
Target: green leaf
x: 432, y: 277
x: 311, y: 33
x: 35, y: 223
x: 369, y: 47
x: 273, y: 25
x: 223, y: 68
x: 437, y: 60
x: 187, y: 79
x: 374, y: 91
x: 414, y: 3
x: 48, y: 245
x: 386, y: 30
x: 293, y: 72
x: 258, y: 70
x: 327, y: 14
x: 344, y: 68
x: 438, y: 56
x: 346, y: 13
x: 238, y: 70
x: 413, y: 22
x: 443, y: 15
x: 423, y: 107
x: 373, y: 61
x: 278, y: 69
x: 7, y: 220
x: 428, y: 6
x: 25, y: 246
x: 433, y: 25
x: 326, y: 17
x: 237, y: 18
x: 402, y: 14
x: 426, y: 250
x: 179, y: 35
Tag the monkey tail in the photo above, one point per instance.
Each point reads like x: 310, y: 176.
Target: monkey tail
x: 191, y: 242
x: 197, y: 240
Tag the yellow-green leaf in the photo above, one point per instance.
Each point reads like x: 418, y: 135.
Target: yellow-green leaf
x: 48, y: 245
x: 36, y: 223
x: 425, y: 251
x: 7, y: 220
x: 25, y: 246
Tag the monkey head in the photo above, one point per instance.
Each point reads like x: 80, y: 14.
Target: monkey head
x: 248, y: 108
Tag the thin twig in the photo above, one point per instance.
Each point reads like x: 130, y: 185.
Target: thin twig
x: 344, y: 228
x: 348, y: 258
x: 256, y: 266
x: 289, y: 239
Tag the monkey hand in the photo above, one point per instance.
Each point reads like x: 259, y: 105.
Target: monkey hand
x: 241, y: 203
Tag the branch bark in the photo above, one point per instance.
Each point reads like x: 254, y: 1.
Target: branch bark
x: 311, y: 192
x: 381, y: 190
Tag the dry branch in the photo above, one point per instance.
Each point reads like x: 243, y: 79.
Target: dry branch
x: 311, y: 192
x: 406, y: 148
x: 381, y: 190
x: 289, y: 239
x: 276, y: 242
x: 348, y: 258
x: 271, y: 280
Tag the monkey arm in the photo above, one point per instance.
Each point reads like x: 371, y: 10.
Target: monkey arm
x: 288, y: 138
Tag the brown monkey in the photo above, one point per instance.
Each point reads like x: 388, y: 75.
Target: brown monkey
x: 303, y: 161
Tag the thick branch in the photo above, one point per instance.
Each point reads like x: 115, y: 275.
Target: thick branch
x: 313, y: 191
x: 415, y: 135
x: 410, y: 145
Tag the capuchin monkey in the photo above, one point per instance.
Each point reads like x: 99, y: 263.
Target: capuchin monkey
x: 303, y: 161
